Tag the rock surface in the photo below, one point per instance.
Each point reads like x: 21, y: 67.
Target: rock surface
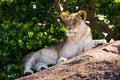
x: 101, y: 63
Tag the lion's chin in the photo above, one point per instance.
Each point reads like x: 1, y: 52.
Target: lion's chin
x: 70, y: 34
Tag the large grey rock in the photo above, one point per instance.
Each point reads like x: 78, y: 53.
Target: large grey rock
x: 101, y: 63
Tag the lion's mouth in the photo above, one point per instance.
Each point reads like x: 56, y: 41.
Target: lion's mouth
x: 70, y: 33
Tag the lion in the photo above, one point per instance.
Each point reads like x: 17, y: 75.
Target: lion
x: 78, y: 39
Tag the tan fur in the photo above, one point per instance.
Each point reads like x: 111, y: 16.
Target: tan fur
x: 78, y: 39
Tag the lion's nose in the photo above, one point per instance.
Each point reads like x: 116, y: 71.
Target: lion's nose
x: 69, y: 28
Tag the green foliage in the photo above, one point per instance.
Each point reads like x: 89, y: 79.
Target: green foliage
x: 116, y: 30
x: 28, y: 25
x: 18, y: 38
x: 111, y: 9
x: 25, y: 26
x: 97, y: 35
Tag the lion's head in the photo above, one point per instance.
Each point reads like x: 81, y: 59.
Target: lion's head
x: 73, y: 22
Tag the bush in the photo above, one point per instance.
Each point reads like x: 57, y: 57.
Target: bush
x: 17, y: 39
x: 97, y: 35
x: 21, y: 34
x: 116, y: 30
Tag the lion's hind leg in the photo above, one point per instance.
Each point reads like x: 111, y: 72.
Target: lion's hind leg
x: 27, y: 71
x: 40, y: 66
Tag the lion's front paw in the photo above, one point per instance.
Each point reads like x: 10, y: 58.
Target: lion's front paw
x: 104, y: 41
x: 28, y: 72
x: 62, y: 60
x: 100, y: 42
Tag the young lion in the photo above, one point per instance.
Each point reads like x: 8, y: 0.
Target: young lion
x: 78, y: 39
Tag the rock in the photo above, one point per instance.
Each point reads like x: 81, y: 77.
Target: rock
x: 100, y: 63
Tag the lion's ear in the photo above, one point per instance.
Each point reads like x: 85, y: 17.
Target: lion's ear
x: 82, y: 14
x: 64, y: 16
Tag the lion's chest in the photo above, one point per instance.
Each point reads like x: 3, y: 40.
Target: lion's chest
x: 72, y: 49
x: 69, y: 50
